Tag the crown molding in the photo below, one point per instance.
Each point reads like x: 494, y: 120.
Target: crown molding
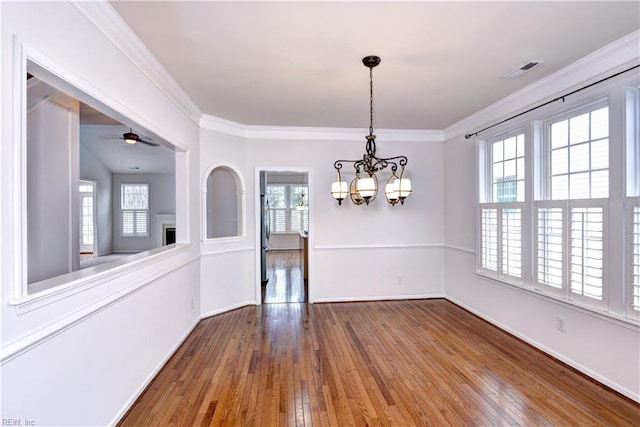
x: 225, y: 126
x: 106, y: 20
x: 229, y: 127
x: 610, y: 58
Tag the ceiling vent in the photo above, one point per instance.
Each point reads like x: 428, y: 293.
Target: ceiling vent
x: 518, y: 72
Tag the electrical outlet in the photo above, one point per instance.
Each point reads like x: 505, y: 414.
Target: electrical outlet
x: 560, y: 324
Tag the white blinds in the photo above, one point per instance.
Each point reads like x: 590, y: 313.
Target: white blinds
x: 549, y: 246
x: 635, y: 259
x: 501, y: 239
x: 489, y: 238
x: 587, y: 253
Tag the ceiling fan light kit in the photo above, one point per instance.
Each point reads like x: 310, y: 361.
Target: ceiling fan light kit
x: 132, y: 139
x: 364, y: 187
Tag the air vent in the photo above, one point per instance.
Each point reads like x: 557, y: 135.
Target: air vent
x: 530, y: 65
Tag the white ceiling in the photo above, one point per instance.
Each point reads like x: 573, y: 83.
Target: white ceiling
x: 299, y: 63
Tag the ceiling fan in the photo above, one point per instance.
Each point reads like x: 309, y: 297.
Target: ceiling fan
x: 132, y: 138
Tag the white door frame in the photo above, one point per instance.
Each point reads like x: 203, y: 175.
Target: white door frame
x: 94, y: 184
x: 257, y: 214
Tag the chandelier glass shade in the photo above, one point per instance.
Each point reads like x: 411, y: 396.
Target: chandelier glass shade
x: 364, y: 187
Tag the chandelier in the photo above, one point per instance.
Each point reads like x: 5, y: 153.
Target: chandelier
x: 364, y: 187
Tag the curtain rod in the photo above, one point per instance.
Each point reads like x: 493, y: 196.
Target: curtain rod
x: 469, y: 135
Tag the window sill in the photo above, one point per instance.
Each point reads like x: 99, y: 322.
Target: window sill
x: 220, y: 240
x: 67, y: 285
x: 600, y: 313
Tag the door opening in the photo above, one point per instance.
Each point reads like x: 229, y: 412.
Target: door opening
x: 284, y: 224
x: 88, y: 238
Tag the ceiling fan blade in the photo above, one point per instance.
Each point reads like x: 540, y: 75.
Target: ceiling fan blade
x: 153, y: 144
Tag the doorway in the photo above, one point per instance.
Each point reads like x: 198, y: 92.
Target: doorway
x: 88, y: 240
x: 284, y: 224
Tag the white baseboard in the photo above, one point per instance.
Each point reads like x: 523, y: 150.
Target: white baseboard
x: 121, y: 413
x: 588, y: 372
x: 377, y: 298
x: 227, y: 308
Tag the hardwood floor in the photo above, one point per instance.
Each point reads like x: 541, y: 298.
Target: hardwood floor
x: 401, y: 363
x: 286, y: 283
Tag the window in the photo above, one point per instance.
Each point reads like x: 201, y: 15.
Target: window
x: 134, y: 207
x: 571, y: 217
x: 579, y: 161
x: 507, y: 158
x: 501, y: 215
x: 288, y: 207
x: 559, y: 202
x: 632, y: 137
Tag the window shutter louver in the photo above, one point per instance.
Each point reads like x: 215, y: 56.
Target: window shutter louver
x: 489, y: 238
x: 511, y: 228
x: 635, y: 260
x: 549, y: 247
x: 586, y: 252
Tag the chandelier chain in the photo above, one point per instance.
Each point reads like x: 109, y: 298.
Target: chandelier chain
x: 371, y: 101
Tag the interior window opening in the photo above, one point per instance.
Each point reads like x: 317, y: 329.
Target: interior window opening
x: 223, y: 203
x: 80, y: 209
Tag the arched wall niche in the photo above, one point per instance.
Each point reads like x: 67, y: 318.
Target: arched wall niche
x: 223, y: 203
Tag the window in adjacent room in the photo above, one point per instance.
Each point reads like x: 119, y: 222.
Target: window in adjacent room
x: 287, y: 210
x: 134, y: 204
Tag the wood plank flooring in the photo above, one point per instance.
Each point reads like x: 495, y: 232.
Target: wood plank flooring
x: 389, y: 363
x: 286, y: 282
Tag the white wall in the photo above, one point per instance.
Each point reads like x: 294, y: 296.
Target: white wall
x: 356, y: 252
x: 93, y: 169
x: 81, y: 354
x: 227, y: 266
x: 605, y: 347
